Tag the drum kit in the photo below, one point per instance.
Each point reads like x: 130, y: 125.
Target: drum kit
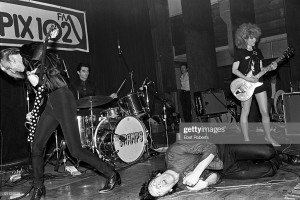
x: 120, y: 132
x: 117, y: 132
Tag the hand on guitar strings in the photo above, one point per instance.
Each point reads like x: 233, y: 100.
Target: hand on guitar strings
x: 252, y: 79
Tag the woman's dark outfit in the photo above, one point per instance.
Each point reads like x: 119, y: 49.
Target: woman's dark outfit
x: 250, y: 60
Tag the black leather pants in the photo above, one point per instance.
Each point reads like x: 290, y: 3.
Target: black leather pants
x: 61, y: 110
x: 185, y: 99
x: 250, y: 161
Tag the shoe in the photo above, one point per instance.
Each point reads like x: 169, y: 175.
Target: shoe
x: 290, y: 159
x: 38, y: 192
x: 111, y: 182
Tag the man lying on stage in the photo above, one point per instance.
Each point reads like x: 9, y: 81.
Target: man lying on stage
x: 195, y: 165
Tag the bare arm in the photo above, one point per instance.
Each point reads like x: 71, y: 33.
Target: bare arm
x: 192, y: 178
x: 236, y: 71
x: 212, y: 179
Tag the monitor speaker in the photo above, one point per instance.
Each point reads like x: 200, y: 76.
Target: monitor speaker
x: 291, y: 110
x: 210, y: 102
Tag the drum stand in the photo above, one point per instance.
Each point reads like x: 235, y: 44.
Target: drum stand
x: 55, y: 151
x: 59, y: 151
x: 92, y: 126
x: 65, y: 157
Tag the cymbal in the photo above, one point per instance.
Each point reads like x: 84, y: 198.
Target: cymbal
x: 92, y: 101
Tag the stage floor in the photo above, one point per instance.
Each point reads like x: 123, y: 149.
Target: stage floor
x: 61, y: 185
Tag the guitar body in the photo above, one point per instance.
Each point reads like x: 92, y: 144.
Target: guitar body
x: 242, y: 89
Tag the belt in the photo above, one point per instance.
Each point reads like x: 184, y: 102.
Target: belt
x: 185, y: 90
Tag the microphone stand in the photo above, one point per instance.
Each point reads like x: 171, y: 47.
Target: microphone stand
x: 28, y: 110
x: 131, y: 80
x: 27, y: 99
x: 151, y: 146
x: 164, y: 114
x: 165, y: 123
x: 127, y: 67
x: 149, y: 122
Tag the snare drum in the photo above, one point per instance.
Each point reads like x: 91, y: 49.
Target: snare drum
x: 114, y: 113
x: 134, y: 104
x: 128, y: 139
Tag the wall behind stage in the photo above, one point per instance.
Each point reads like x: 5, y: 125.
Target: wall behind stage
x: 107, y: 23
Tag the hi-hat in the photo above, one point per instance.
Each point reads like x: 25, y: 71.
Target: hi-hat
x: 92, y: 101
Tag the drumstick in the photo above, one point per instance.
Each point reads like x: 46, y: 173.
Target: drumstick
x: 121, y: 86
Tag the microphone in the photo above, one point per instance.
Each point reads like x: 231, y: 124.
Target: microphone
x: 149, y: 82
x: 144, y: 83
x: 119, y: 48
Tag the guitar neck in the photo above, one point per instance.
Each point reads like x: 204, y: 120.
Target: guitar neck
x: 269, y: 67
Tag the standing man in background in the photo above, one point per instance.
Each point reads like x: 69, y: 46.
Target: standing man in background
x: 185, y: 95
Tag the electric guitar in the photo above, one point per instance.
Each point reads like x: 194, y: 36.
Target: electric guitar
x: 39, y: 98
x: 243, y: 90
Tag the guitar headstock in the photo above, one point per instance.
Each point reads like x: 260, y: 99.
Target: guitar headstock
x: 52, y: 32
x: 289, y: 52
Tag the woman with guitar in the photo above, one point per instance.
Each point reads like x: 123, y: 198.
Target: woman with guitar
x: 45, y: 70
x: 248, y: 63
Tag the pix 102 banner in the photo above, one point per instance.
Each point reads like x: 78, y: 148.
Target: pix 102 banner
x: 23, y: 21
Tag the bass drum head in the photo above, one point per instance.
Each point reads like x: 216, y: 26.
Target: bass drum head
x: 130, y: 139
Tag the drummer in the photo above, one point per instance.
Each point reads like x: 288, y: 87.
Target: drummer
x: 84, y: 87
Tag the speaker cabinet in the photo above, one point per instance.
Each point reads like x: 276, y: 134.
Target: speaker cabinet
x: 291, y: 109
x: 210, y: 102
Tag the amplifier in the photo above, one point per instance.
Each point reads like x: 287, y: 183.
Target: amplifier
x: 291, y: 110
x: 210, y: 102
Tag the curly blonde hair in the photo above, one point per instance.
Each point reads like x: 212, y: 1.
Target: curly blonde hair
x: 245, y: 31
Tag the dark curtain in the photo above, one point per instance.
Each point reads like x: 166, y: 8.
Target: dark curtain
x: 108, y: 21
x: 13, y: 108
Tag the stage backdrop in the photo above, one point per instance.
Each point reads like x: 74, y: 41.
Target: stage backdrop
x: 91, y: 32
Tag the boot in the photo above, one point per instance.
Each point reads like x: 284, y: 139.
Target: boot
x: 290, y: 159
x: 38, y: 192
x: 111, y: 182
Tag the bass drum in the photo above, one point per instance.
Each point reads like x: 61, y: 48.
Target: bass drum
x: 128, y: 139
